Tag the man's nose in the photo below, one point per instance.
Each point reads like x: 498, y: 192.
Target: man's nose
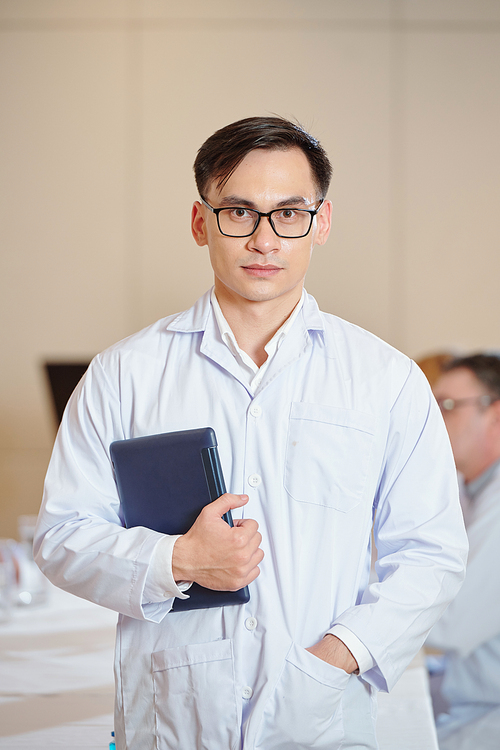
x: 265, y: 239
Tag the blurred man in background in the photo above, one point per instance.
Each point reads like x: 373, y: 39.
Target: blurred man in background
x: 468, y: 393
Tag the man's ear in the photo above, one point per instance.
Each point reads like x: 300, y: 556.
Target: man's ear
x: 198, y: 225
x: 324, y: 223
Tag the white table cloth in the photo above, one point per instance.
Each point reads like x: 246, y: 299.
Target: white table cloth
x: 56, y: 676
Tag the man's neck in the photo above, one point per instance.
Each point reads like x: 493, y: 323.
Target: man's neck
x: 254, y: 323
x: 476, y: 485
x: 482, y: 468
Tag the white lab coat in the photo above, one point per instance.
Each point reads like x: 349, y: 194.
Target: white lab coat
x: 345, y: 424
x: 469, y: 631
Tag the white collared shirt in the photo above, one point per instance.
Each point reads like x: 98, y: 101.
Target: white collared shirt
x: 253, y: 371
x: 469, y: 630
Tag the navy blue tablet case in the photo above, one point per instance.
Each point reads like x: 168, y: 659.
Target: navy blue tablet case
x: 163, y: 483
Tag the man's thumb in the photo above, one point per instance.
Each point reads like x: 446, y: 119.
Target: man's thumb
x: 228, y: 502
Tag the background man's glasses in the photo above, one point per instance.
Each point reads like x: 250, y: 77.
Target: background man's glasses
x: 237, y: 221
x: 449, y: 404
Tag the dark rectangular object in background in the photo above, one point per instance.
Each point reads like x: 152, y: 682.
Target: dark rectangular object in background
x: 63, y: 378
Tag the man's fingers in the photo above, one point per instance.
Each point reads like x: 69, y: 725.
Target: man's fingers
x: 247, y: 523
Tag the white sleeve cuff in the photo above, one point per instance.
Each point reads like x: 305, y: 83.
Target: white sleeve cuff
x: 160, y: 584
x: 357, y: 649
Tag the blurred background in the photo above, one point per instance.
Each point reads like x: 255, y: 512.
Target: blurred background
x: 103, y: 105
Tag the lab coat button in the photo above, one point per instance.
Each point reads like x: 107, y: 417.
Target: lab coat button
x: 254, y: 480
x: 250, y: 623
x: 255, y: 410
x: 247, y: 693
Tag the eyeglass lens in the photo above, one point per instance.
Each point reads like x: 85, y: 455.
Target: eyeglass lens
x: 449, y: 404
x: 287, y: 222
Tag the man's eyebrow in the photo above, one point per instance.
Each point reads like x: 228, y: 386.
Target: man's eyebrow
x: 293, y: 201
x: 236, y: 200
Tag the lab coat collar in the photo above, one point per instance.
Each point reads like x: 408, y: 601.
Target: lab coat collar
x: 200, y: 318
x: 196, y: 318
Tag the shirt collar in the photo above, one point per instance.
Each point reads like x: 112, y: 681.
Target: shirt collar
x: 478, y: 484
x: 272, y: 345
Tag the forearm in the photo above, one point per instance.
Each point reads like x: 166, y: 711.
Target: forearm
x: 97, y: 560
x: 161, y: 583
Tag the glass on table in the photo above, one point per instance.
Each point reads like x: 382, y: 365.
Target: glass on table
x: 8, y: 582
x: 32, y: 584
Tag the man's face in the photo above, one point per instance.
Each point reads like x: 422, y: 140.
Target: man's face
x: 469, y: 424
x: 263, y: 266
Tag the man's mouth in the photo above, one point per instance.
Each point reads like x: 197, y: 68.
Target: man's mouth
x: 258, y: 269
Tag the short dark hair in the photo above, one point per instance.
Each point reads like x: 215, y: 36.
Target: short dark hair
x: 486, y: 368
x: 222, y: 153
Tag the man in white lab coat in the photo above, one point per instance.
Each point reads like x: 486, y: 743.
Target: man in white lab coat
x: 469, y: 631
x: 323, y: 431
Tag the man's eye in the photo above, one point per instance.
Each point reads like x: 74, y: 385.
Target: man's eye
x: 287, y: 214
x: 240, y: 213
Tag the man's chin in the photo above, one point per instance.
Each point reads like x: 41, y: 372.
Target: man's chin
x: 257, y: 291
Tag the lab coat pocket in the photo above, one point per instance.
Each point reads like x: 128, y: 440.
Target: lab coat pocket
x: 195, y: 698
x: 327, y: 455
x: 304, y: 712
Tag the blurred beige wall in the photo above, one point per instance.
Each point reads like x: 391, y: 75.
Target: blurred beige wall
x: 103, y: 106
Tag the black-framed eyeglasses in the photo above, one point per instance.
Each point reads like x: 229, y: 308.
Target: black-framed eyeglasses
x: 238, y: 221
x: 450, y: 404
